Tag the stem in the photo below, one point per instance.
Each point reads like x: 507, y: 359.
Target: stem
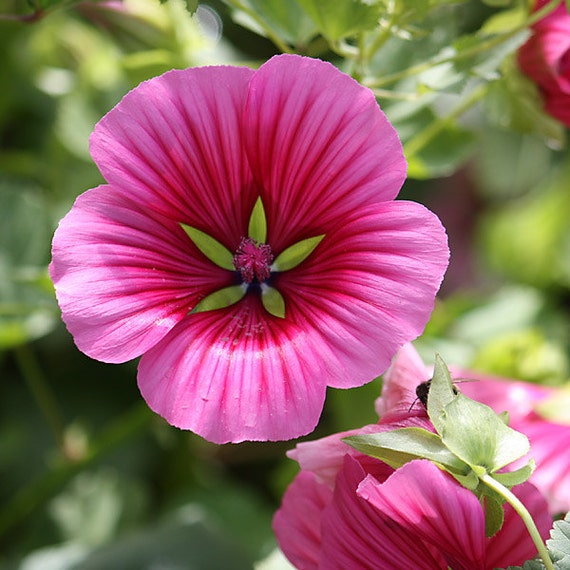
x: 284, y: 48
x: 524, y: 514
x: 41, y: 391
x: 475, y: 50
x: 419, y: 141
x: 31, y: 497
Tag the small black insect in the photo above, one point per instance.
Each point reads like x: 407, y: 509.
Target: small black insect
x: 422, y: 393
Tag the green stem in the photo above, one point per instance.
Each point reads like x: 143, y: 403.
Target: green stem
x: 31, y: 497
x: 420, y: 140
x: 41, y: 391
x: 284, y: 48
x: 524, y: 514
x: 467, y: 53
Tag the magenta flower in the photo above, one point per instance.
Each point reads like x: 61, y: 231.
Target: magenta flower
x: 522, y: 400
x: 247, y: 244
x: 370, y: 516
x: 545, y: 58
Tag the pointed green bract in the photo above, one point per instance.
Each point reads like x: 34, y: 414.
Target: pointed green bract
x: 296, y: 254
x: 272, y: 301
x: 210, y: 247
x: 257, y: 228
x: 511, y: 478
x: 220, y: 299
x: 494, y: 515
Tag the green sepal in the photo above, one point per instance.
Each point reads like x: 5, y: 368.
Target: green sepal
x: 220, y: 299
x: 257, y: 228
x: 441, y: 393
x: 511, y: 478
x: 296, y: 254
x: 399, y: 446
x: 210, y: 247
x: 494, y: 514
x: 476, y: 435
x: 273, y: 301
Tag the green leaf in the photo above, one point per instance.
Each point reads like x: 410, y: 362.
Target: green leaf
x: 474, y: 433
x: 210, y: 247
x: 441, y: 393
x: 257, y: 228
x: 511, y: 478
x: 494, y: 515
x: 399, y: 446
x: 296, y: 254
x: 559, y: 543
x: 220, y: 299
x: 342, y: 18
x: 273, y: 301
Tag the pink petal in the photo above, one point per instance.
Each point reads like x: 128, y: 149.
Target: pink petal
x: 549, y: 443
x: 368, y: 288
x: 235, y: 374
x: 433, y: 507
x: 511, y: 546
x: 319, y: 147
x: 124, y: 276
x: 400, y: 381
x: 357, y: 535
x: 175, y: 142
x: 297, y: 524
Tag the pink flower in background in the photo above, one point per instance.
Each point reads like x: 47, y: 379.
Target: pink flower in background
x: 370, y: 516
x: 545, y: 58
x: 182, y: 256
x: 548, y: 439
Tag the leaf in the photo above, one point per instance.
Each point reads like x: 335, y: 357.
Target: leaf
x: 511, y: 478
x: 494, y: 515
x: 474, y: 433
x: 220, y: 299
x: 342, y: 18
x: 257, y: 228
x: 559, y: 542
x: 272, y: 301
x: 296, y: 254
x: 210, y: 247
x: 399, y: 446
x: 440, y: 394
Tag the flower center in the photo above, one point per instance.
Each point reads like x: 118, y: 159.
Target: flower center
x: 253, y: 260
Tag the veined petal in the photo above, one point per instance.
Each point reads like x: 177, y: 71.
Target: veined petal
x: 235, y: 374
x: 175, y: 144
x: 431, y: 506
x: 319, y: 147
x: 368, y: 288
x: 125, y: 276
x: 297, y: 524
x: 355, y: 534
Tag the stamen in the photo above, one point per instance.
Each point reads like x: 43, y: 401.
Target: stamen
x: 253, y: 260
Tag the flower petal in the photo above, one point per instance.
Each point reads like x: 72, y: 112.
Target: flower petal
x: 235, y: 374
x: 433, y: 507
x: 319, y: 147
x: 175, y: 142
x: 297, y: 524
x: 357, y: 535
x: 125, y: 276
x: 368, y: 288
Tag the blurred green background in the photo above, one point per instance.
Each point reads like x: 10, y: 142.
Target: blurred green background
x: 91, y: 479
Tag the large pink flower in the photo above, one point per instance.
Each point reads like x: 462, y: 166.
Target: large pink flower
x: 238, y: 337
x: 369, y: 516
x: 545, y: 58
x: 549, y: 440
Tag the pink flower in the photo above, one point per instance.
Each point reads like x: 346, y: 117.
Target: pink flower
x: 182, y: 257
x: 548, y: 439
x: 370, y: 516
x: 545, y: 58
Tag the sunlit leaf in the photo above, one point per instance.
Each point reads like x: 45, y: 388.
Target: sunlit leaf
x: 210, y: 247
x: 296, y: 254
